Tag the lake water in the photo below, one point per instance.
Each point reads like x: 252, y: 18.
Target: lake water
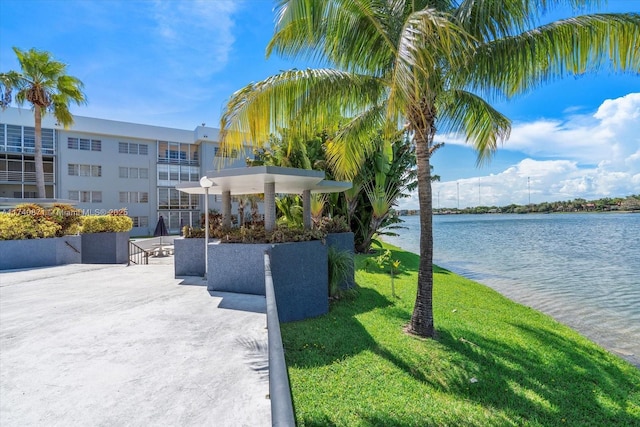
x: 582, y: 269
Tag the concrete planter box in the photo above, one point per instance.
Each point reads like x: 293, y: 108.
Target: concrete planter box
x: 105, y: 248
x: 299, y: 272
x: 344, y: 242
x: 188, y: 257
x: 40, y: 252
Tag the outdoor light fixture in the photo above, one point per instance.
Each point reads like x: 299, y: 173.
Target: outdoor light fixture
x: 206, y: 183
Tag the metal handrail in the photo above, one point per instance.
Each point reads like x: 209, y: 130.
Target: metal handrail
x: 137, y: 255
x: 282, y: 410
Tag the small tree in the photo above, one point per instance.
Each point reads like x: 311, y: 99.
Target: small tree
x: 384, y: 260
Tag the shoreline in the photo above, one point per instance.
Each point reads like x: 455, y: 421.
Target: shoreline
x: 532, y: 300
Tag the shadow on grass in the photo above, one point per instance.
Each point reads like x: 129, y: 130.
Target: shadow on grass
x: 340, y: 335
x: 334, y: 336
x: 565, y: 382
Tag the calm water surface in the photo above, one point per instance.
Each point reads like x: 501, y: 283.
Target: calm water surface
x: 582, y: 269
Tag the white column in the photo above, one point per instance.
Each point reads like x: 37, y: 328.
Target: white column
x: 269, y: 205
x: 226, y: 209
x: 306, y: 209
x: 206, y: 233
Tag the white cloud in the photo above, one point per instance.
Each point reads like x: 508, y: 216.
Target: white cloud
x: 198, y: 32
x: 612, y: 132
x: 593, y: 156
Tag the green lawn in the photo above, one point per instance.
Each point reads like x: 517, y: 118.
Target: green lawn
x: 356, y: 366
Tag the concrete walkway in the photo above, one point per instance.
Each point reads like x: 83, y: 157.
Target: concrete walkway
x: 106, y: 345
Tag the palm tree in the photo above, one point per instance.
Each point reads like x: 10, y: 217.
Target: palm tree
x: 430, y: 66
x: 43, y: 83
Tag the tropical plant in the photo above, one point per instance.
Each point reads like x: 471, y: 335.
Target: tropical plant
x: 290, y: 209
x: 43, y: 83
x: 385, y: 260
x: 427, y: 64
x: 340, y: 264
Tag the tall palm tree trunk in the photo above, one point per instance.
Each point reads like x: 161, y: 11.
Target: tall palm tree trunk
x: 422, y: 120
x: 38, y: 152
x: 422, y: 317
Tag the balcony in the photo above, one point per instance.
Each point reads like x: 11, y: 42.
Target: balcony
x: 25, y: 177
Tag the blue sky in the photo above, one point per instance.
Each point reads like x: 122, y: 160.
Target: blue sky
x: 175, y: 63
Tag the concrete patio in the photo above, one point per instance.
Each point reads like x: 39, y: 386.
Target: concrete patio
x: 116, y: 345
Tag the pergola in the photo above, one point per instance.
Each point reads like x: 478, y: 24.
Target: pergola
x: 267, y: 180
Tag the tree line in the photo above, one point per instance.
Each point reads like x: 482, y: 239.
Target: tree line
x: 606, y: 204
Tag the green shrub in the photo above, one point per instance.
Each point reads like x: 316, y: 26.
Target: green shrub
x: 339, y: 269
x: 336, y: 224
x: 14, y: 226
x: 106, y: 223
x: 192, y: 232
x: 68, y: 217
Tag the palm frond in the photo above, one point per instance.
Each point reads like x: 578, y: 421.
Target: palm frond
x: 303, y: 101
x: 355, y: 33
x: 514, y: 65
x: 428, y: 39
x: 474, y: 118
x: 347, y: 150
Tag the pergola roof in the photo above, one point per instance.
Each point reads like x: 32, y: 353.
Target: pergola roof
x: 251, y: 180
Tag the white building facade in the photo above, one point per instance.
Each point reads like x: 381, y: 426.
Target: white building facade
x: 105, y: 165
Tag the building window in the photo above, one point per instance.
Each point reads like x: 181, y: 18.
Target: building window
x: 170, y: 198
x: 85, y: 196
x: 83, y: 144
x: 22, y: 139
x: 140, y: 221
x: 133, y: 148
x: 217, y: 152
x: 177, y: 153
x: 134, y: 173
x: 133, y: 197
x: 85, y: 170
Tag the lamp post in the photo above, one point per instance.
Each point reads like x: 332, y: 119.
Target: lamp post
x: 206, y: 183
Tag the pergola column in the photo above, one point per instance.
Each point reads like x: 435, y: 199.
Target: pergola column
x: 306, y: 209
x: 269, y: 205
x: 226, y: 209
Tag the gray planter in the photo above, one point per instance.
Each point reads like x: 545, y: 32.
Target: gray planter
x: 299, y: 271
x: 40, y: 252
x: 188, y: 257
x: 105, y: 248
x: 237, y: 267
x: 344, y: 242
x: 301, y: 280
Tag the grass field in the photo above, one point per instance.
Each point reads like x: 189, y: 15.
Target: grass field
x: 494, y: 363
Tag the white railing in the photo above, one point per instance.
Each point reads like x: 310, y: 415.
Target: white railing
x: 17, y: 176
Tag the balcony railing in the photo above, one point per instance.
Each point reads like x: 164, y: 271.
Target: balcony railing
x: 165, y: 161
x: 28, y: 150
x: 16, y: 176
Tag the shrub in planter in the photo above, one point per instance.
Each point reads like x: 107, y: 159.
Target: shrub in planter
x: 258, y: 234
x: 336, y: 224
x: 68, y: 217
x: 105, y: 239
x: 192, y: 232
x: 14, y: 226
x: 106, y: 224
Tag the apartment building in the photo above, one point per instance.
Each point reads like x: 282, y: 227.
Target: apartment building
x: 102, y: 165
